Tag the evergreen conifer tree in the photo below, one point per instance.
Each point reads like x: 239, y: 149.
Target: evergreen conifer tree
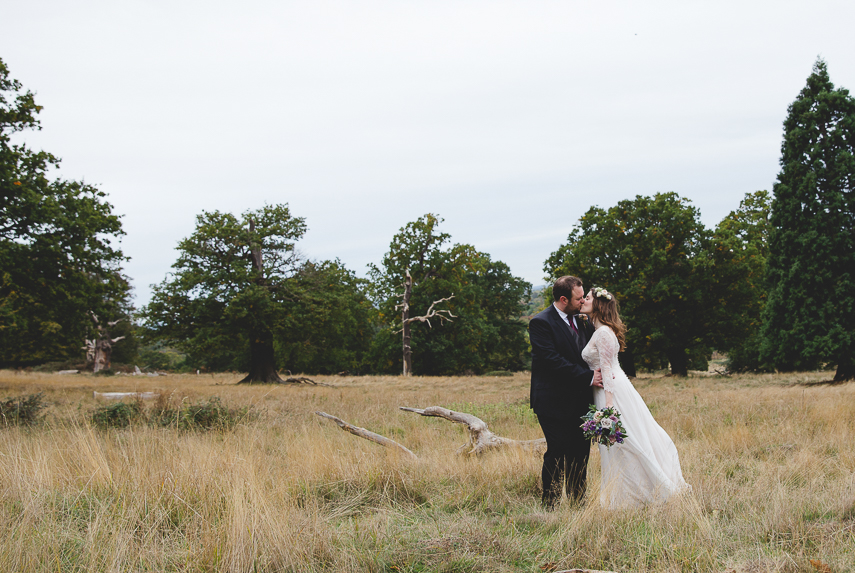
x: 809, y: 319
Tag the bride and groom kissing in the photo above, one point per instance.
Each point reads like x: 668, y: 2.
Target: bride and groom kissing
x: 574, y: 346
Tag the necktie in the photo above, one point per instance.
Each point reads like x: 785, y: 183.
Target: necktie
x: 573, y: 325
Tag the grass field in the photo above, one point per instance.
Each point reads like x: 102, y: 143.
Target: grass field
x: 771, y: 459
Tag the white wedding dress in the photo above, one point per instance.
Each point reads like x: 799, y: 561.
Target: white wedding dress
x: 646, y: 467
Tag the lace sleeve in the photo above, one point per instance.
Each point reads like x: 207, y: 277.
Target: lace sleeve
x: 608, y: 347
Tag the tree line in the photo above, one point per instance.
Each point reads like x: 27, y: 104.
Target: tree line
x: 771, y: 285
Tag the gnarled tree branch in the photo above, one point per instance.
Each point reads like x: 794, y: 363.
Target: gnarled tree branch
x: 481, y: 438
x: 431, y: 313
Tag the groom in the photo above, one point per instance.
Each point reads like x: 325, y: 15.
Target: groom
x: 561, y: 390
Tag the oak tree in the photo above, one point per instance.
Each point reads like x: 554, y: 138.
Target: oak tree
x: 241, y: 297
x: 59, y: 258
x: 651, y: 253
x: 228, y: 288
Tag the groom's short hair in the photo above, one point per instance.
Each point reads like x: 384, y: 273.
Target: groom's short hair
x: 564, y: 287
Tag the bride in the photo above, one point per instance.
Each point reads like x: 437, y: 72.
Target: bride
x: 646, y: 467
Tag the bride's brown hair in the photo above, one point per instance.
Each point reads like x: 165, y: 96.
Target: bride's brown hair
x: 606, y: 310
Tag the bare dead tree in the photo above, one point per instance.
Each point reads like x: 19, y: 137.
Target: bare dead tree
x: 481, y: 439
x: 442, y: 314
x: 99, y: 349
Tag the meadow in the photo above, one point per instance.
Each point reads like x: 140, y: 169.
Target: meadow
x: 771, y: 459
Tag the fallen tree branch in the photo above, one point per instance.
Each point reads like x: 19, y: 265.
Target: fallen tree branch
x: 367, y: 434
x: 481, y: 438
x: 303, y: 380
x: 123, y: 395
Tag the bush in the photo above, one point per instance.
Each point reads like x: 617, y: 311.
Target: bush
x: 118, y: 415
x: 210, y: 415
x: 22, y: 411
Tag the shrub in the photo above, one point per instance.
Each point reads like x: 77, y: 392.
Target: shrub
x: 22, y: 411
x: 210, y: 415
x: 118, y: 415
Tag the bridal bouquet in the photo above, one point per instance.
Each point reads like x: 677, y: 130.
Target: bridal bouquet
x: 603, y: 426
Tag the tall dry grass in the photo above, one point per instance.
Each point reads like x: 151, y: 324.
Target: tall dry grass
x: 771, y: 460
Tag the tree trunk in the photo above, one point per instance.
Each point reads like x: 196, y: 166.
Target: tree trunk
x: 679, y: 361
x: 262, y: 362
x: 405, y: 317
x: 262, y: 368
x: 99, y: 350
x: 103, y: 352
x: 845, y: 368
x: 626, y: 359
x: 102, y: 356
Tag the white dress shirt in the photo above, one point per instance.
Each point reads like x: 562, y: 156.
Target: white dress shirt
x: 567, y: 318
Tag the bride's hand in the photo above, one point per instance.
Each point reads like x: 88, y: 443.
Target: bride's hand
x: 610, y: 402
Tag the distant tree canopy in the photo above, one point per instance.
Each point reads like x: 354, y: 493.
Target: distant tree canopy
x: 333, y: 324
x: 809, y: 319
x: 773, y: 285
x: 241, y: 298
x: 58, y: 258
x: 488, y: 301
x: 651, y: 253
x: 737, y: 281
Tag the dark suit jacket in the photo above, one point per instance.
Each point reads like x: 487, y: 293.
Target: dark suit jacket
x: 560, y: 379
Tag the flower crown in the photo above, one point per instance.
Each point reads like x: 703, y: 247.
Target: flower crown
x: 600, y: 292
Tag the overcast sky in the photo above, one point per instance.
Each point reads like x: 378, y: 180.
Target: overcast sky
x: 508, y: 119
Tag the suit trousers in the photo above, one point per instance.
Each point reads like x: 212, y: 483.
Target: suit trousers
x: 565, y: 463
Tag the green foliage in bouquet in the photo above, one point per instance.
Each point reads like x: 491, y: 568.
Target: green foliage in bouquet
x: 603, y: 426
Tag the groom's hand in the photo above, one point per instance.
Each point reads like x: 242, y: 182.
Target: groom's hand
x: 598, y: 379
